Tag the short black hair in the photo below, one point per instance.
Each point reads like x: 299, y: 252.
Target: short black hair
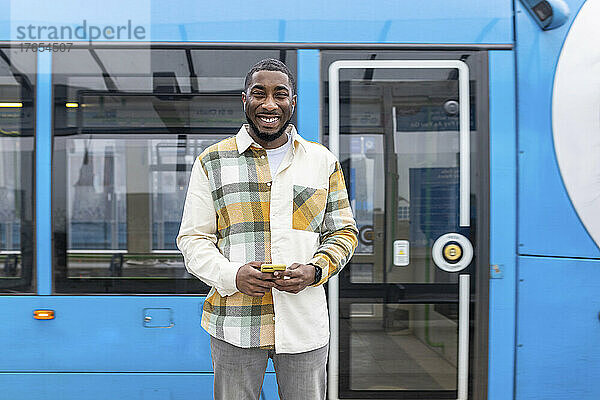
x: 270, y: 64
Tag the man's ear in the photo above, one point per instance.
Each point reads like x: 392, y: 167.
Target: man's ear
x: 244, y: 101
x: 294, y: 98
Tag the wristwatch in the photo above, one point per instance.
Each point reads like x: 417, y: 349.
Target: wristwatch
x: 318, y: 274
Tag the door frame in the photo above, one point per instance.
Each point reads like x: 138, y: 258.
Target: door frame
x: 464, y: 211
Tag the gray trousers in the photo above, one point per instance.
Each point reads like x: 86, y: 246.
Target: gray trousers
x: 239, y: 372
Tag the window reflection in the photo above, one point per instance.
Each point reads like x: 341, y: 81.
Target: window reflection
x: 124, y: 204
x: 96, y: 194
x: 361, y: 157
x: 402, y: 347
x: 16, y: 170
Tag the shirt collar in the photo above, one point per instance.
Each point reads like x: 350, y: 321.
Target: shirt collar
x: 244, y: 140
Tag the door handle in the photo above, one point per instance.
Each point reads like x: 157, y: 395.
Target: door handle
x: 464, y: 302
x: 464, y: 143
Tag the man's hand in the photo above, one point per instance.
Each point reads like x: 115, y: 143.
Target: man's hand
x: 300, y: 276
x: 249, y: 280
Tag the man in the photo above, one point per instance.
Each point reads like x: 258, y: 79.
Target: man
x: 267, y: 196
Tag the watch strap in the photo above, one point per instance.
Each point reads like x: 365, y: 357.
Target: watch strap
x: 318, y: 274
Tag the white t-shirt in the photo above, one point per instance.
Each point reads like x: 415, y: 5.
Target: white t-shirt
x: 276, y: 156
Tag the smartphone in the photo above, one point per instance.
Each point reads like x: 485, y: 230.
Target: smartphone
x: 272, y: 267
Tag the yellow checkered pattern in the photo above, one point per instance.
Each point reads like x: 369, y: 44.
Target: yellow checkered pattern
x: 239, y: 182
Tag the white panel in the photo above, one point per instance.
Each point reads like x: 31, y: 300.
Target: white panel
x: 576, y: 116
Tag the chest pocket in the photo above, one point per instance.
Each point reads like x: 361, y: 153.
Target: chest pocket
x: 309, y: 208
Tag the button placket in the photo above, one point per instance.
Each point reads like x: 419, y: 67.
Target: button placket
x: 262, y: 166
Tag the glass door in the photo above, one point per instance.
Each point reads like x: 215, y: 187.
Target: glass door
x: 401, y: 311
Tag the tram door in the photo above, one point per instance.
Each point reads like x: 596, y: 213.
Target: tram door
x: 403, y: 309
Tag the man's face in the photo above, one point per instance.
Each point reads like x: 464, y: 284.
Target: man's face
x: 269, y: 104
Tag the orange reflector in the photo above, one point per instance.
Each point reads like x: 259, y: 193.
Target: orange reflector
x: 43, y: 314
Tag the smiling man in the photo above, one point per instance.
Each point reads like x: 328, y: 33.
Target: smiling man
x: 267, y: 196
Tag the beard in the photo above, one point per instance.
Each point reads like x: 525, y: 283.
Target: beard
x: 267, y: 137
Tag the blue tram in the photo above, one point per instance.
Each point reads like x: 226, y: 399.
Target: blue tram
x: 468, y: 135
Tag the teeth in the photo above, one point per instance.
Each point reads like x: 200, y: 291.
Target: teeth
x: 269, y: 120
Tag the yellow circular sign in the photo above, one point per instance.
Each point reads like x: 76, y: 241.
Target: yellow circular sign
x: 452, y: 252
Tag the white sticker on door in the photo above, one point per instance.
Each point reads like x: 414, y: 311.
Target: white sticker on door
x: 401, y: 255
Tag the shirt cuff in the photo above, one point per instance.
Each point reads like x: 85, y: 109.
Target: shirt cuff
x: 227, y: 277
x: 321, y: 262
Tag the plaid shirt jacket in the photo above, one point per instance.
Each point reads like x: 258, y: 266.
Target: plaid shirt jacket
x: 236, y: 212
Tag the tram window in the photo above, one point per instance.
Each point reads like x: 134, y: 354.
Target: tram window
x: 17, y: 79
x: 128, y: 125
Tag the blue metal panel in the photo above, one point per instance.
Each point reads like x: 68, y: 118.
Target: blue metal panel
x: 548, y: 223
x: 69, y: 386
x: 503, y: 225
x: 558, y: 354
x: 102, y: 334
x: 386, y: 21
x: 308, y: 94
x: 5, y: 20
x: 43, y: 176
